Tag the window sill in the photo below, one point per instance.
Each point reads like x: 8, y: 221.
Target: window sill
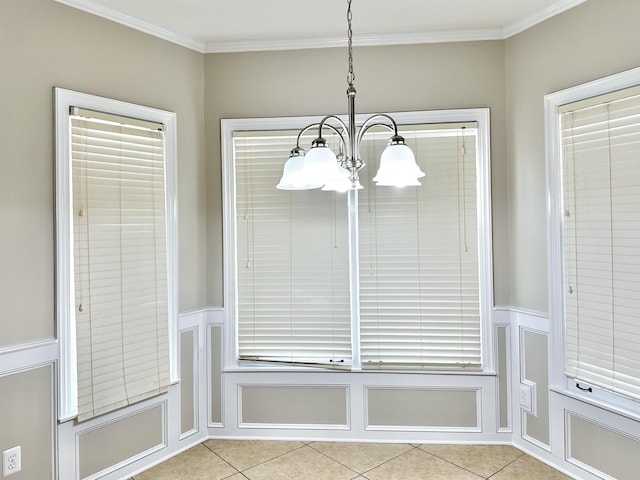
x: 622, y: 410
x: 342, y: 371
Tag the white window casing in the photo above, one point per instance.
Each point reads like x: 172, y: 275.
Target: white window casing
x: 313, y: 291
x: 116, y: 253
x: 593, y: 144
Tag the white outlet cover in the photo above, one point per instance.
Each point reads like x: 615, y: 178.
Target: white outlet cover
x: 527, y: 398
x: 11, y: 461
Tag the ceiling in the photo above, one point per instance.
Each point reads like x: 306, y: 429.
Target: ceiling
x: 247, y: 25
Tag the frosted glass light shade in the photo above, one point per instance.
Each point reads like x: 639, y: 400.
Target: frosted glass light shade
x: 320, y: 166
x: 343, y: 183
x: 398, y: 167
x: 292, y: 178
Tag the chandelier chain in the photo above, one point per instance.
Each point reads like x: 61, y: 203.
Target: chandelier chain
x: 351, y: 77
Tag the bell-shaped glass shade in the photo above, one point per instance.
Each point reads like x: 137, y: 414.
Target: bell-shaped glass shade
x: 398, y: 167
x: 292, y: 175
x: 343, y: 183
x: 320, y: 166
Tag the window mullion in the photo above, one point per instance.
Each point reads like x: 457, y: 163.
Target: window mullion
x: 354, y: 279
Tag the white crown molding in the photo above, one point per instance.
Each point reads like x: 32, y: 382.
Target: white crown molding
x: 361, y: 40
x: 126, y: 20
x: 444, y: 36
x: 552, y: 10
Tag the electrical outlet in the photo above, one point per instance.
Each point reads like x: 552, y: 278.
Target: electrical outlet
x: 528, y: 397
x: 11, y: 461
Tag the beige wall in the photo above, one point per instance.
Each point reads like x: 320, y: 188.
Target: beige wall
x: 313, y: 82
x: 45, y: 44
x: 28, y: 420
x: 593, y: 40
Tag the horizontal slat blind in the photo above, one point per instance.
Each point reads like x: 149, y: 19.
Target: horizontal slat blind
x: 292, y: 261
x: 120, y: 264
x: 419, y: 280
x: 601, y: 180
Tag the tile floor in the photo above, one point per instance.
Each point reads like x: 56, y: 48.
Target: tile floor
x: 292, y: 460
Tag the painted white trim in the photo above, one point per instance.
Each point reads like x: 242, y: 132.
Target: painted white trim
x: 27, y: 356
x: 163, y: 444
x: 425, y: 428
x: 222, y: 46
x: 552, y: 10
x: 131, y: 22
x: 209, y: 356
x: 442, y: 36
x: 196, y: 330
x: 508, y: 378
x: 65, y: 305
x: 294, y: 426
x: 483, y: 187
x: 555, y: 262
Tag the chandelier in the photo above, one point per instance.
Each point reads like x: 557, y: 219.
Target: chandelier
x: 320, y: 167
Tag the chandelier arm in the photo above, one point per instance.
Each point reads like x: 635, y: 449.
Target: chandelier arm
x: 345, y: 130
x: 315, y: 125
x: 368, y: 123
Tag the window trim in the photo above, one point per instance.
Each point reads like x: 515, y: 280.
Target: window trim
x: 485, y: 251
x: 558, y: 381
x: 64, y: 100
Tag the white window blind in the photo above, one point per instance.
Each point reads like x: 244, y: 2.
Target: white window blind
x: 601, y: 234
x: 419, y: 271
x: 120, y: 262
x: 419, y: 264
x: 292, y: 261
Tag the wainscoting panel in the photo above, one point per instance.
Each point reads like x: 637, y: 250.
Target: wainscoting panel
x: 188, y: 378
x: 27, y: 405
x: 215, y: 380
x: 534, y: 358
x: 614, y: 454
x: 423, y: 409
x: 128, y: 438
x: 503, y: 368
x: 294, y: 406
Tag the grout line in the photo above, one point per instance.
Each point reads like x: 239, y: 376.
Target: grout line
x: 511, y: 462
x: 236, y: 470
x: 334, y: 460
x: 451, y: 463
x: 257, y: 464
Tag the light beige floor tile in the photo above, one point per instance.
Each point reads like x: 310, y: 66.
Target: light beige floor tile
x: 243, y: 454
x: 361, y: 457
x: 526, y: 468
x: 485, y: 460
x: 302, y: 464
x: 419, y: 465
x: 197, y: 463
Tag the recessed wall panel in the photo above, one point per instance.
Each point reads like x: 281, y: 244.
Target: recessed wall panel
x: 606, y: 450
x: 294, y: 405
x: 215, y: 341
x: 422, y: 408
x: 187, y: 382
x: 26, y: 403
x: 125, y: 439
x: 502, y: 340
x: 536, y: 369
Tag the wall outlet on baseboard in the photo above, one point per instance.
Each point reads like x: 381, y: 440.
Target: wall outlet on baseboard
x: 528, y: 397
x: 11, y: 461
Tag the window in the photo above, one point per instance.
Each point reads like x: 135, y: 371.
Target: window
x: 115, y: 174
x: 595, y: 237
x: 382, y: 278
